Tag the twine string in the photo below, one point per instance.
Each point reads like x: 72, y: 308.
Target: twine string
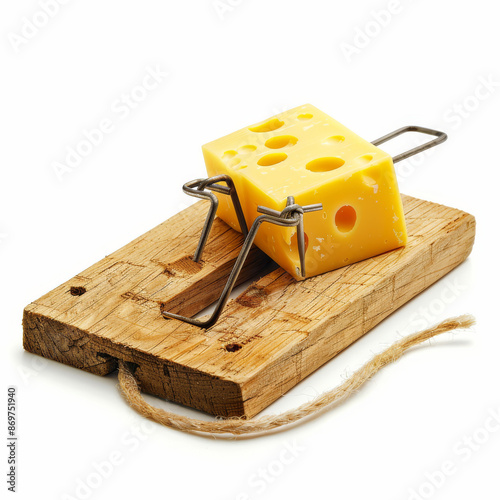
x: 236, y: 426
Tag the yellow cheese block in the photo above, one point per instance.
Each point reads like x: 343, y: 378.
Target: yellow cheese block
x: 306, y: 154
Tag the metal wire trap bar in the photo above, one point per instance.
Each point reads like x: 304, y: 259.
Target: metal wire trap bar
x: 197, y: 188
x: 291, y: 216
x: 440, y: 137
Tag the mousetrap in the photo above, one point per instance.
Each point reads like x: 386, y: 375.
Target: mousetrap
x: 139, y: 303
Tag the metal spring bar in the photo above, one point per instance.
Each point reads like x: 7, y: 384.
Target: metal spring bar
x: 291, y: 216
x: 197, y: 188
x: 441, y: 137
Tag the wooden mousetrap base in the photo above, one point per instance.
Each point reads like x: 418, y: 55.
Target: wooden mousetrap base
x: 268, y: 339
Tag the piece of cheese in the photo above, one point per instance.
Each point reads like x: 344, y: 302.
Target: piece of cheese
x: 306, y: 154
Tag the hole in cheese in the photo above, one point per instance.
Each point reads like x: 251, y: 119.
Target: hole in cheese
x: 362, y: 160
x: 345, y: 218
x: 272, y: 159
x: 249, y: 148
x: 269, y: 126
x: 280, y: 141
x: 334, y: 139
x: 305, y: 116
x: 325, y: 164
x: 229, y: 154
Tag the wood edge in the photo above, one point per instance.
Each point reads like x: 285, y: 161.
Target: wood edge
x: 172, y: 381
x: 463, y: 220
x: 40, y: 332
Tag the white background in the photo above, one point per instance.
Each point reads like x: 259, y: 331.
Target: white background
x: 230, y: 64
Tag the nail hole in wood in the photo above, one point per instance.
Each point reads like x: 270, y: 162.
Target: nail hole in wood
x: 76, y: 291
x: 233, y: 347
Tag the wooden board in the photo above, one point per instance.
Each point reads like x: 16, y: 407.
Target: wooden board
x: 268, y: 339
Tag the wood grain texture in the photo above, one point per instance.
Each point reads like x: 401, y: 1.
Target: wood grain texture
x: 270, y: 338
